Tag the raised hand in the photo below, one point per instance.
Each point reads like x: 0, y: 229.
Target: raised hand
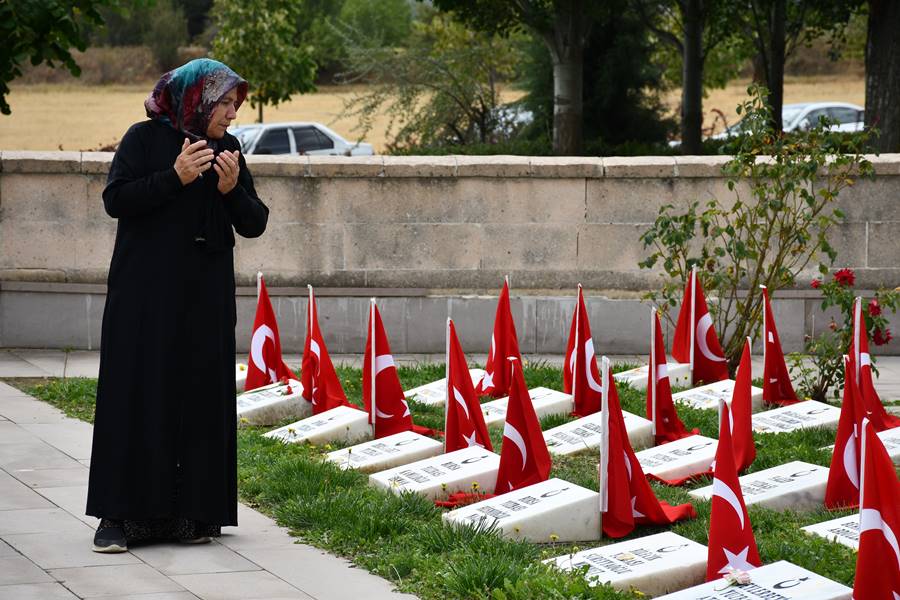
x: 227, y: 168
x: 193, y: 160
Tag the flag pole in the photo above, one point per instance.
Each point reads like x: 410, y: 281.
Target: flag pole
x: 604, y: 439
x: 693, y: 316
x: 862, y: 468
x: 310, y: 309
x: 577, y: 345
x: 765, y: 333
x: 259, y: 277
x: 654, y: 369
x: 374, y: 412
x: 449, y: 385
x: 857, y: 314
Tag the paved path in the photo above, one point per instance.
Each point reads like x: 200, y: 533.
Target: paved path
x: 45, y: 538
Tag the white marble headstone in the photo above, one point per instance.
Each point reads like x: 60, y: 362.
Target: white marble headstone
x: 843, y: 530
x: 545, y: 401
x: 390, y: 451
x: 440, y: 476
x: 891, y: 440
x: 792, y: 486
x: 803, y: 415
x: 272, y: 403
x: 681, y: 458
x: 240, y: 376
x: 778, y: 581
x: 653, y: 564
x: 436, y: 391
x: 708, y: 396
x: 679, y: 376
x: 583, y: 435
x: 342, y: 424
x: 568, y: 512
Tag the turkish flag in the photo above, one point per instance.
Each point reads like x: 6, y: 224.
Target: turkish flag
x: 382, y: 393
x: 731, y: 542
x: 842, y: 490
x: 524, y: 458
x: 626, y: 498
x: 741, y: 414
x: 464, y: 426
x: 504, y: 343
x: 862, y: 361
x: 265, y: 365
x: 321, y: 385
x: 878, y: 559
x: 777, y: 387
x: 695, y: 340
x: 667, y: 427
x: 581, y: 378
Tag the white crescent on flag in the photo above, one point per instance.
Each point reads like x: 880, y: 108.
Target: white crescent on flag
x: 628, y: 465
x: 703, y: 327
x: 382, y: 362
x: 851, y: 465
x: 256, y: 349
x: 588, y: 356
x: 870, y: 520
x: 516, y: 438
x: 721, y: 489
x: 864, y: 359
x: 662, y: 371
x: 461, y: 401
x: 314, y: 348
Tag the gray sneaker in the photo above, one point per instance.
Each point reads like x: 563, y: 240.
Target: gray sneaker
x: 110, y: 540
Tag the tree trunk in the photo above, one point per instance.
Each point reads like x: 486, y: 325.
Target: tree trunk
x: 692, y: 78
x: 259, y: 117
x: 883, y: 74
x: 776, y: 63
x: 566, y: 44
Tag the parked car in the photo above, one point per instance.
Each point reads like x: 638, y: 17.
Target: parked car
x: 296, y: 138
x: 849, y: 117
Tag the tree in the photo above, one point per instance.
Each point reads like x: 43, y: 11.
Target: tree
x: 43, y: 31
x: 441, y: 90
x: 694, y: 28
x: 883, y: 73
x: 257, y: 38
x: 563, y: 25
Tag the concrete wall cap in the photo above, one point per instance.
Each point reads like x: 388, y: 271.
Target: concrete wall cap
x: 639, y: 166
x: 590, y: 167
x: 346, y: 166
x: 885, y: 164
x: 420, y: 166
x: 96, y: 162
x: 501, y: 165
x: 40, y: 161
x: 700, y: 166
x: 278, y: 166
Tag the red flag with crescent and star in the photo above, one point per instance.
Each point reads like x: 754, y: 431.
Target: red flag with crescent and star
x: 695, y: 341
x: 464, y: 425
x: 321, y: 385
x: 265, y: 365
x: 667, y: 427
x: 626, y: 498
x: 524, y: 458
x: 504, y: 343
x: 862, y: 370
x: 842, y: 490
x: 581, y: 378
x: 777, y: 386
x: 382, y: 393
x: 732, y: 546
x: 878, y: 558
x: 743, y: 447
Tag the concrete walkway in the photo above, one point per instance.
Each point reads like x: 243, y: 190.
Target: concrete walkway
x: 45, y: 538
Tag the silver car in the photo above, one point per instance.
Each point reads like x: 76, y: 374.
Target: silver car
x: 849, y: 117
x: 296, y: 138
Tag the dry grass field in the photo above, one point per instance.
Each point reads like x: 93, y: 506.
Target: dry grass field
x: 74, y: 117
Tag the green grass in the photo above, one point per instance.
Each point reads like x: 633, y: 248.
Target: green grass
x: 403, y: 539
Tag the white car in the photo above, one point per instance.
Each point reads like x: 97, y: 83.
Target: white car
x: 849, y: 117
x: 296, y: 138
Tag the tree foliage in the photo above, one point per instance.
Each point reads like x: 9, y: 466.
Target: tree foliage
x: 258, y: 39
x: 443, y: 89
x: 775, y: 225
x: 43, y: 31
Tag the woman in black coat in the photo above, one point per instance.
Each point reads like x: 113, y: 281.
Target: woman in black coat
x: 163, y: 464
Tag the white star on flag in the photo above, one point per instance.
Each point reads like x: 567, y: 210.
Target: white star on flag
x: 470, y: 440
x: 487, y: 380
x: 634, y: 511
x: 737, y: 561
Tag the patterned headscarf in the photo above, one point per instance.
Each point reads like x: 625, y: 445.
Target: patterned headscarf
x: 184, y: 98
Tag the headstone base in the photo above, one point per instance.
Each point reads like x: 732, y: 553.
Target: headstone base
x: 679, y: 459
x: 343, y: 425
x: 387, y: 452
x: 583, y: 435
x: 468, y: 470
x: 843, y: 530
x: 802, y: 415
x: 273, y: 403
x: 679, y: 376
x: 708, y: 396
x: 792, y: 486
x: 545, y: 401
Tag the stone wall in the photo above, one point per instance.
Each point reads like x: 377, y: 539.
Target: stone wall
x: 434, y: 234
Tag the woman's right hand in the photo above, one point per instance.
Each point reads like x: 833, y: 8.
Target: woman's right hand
x: 193, y: 160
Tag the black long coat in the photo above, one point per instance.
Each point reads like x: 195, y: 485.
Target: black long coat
x: 165, y: 428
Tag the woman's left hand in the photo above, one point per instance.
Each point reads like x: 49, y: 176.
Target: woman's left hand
x: 227, y: 167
